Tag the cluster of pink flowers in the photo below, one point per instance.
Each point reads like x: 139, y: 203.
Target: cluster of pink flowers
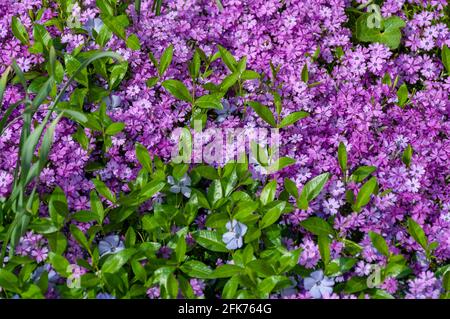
x: 349, y: 104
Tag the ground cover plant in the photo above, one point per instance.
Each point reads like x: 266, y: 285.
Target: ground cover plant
x: 98, y: 198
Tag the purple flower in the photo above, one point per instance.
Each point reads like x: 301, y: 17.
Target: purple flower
x: 165, y: 252
x: 153, y: 293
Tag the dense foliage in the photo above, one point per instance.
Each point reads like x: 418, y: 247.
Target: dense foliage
x: 93, y: 204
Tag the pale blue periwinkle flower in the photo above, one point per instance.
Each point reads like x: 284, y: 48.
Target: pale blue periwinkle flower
x: 181, y: 186
x: 109, y: 245
x: 236, y: 231
x: 319, y: 285
x: 52, y: 276
x: 291, y: 290
x: 93, y: 24
x: 104, y: 295
x: 112, y: 101
x: 226, y: 111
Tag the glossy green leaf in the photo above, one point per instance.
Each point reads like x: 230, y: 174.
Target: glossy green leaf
x: 379, y: 243
x: 416, y: 231
x: 210, y: 240
x: 445, y: 56
x: 263, y: 112
x: 165, y: 60
x: 364, y: 194
x: 133, y: 42
x: 312, y: 189
x: 116, y: 261
x: 144, y: 157
x: 19, y: 31
x: 293, y: 118
x: 317, y: 226
x: 407, y: 155
x: 178, y: 90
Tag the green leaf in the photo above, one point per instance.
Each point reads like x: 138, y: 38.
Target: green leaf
x: 43, y: 92
x: 446, y: 57
x: 194, y: 65
x: 133, y: 42
x: 263, y: 112
x: 244, y: 209
x: 292, y: 118
x: 97, y: 207
x: 118, y: 72
x: 324, y: 248
x: 171, y: 286
x: 280, y: 163
x: 3, y: 81
x: 317, y: 226
x: 381, y: 294
x: 250, y: 75
x: 137, y: 7
x: 105, y: 7
x: 228, y: 59
x: 79, y: 236
x: 196, y: 269
x: 116, y: 24
x: 342, y: 157
x: 261, y: 267
x: 59, y: 263
x: 180, y: 250
x: 166, y: 59
x: 9, y: 281
x: 340, y: 266
x: 446, y: 281
x: 152, y: 81
x: 402, y: 95
x: 379, y: 243
x: 226, y: 270
x: 41, y: 35
x: 209, y: 102
x: 407, y: 155
x: 47, y: 141
x: 103, y: 36
x: 72, y: 66
x: 207, y: 172
x: 305, y: 73
x: 230, y: 288
x: 229, y: 81
x: 57, y: 206
x: 178, y: 90
x: 115, y: 128
x: 272, y: 215
x: 416, y: 231
x: 312, y: 189
x: 291, y: 187
x: 361, y: 173
x: 103, y: 190
x: 116, y: 261
x: 210, y: 240
x: 267, y: 285
x: 19, y: 31
x: 355, y: 284
x: 151, y: 189
x: 215, y: 192
x: 143, y: 157
x: 390, y: 34
x: 364, y: 193
x: 268, y: 193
